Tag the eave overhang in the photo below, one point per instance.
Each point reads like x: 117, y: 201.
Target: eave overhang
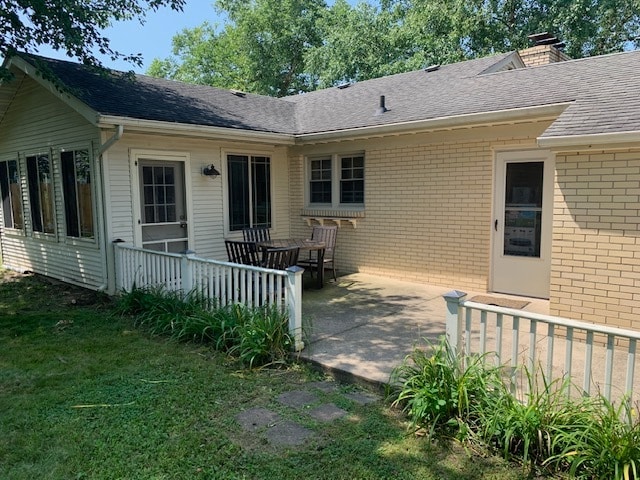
x: 498, y: 117
x: 585, y: 142
x: 199, y: 131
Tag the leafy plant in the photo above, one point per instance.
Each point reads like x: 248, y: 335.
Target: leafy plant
x: 264, y: 337
x: 257, y: 336
x: 525, y: 429
x: 439, y: 388
x: 605, y: 443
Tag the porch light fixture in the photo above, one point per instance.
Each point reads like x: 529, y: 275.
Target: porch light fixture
x: 210, y: 171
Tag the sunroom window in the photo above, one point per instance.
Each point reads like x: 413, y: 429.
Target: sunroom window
x: 76, y: 187
x: 40, y: 181
x: 11, y: 195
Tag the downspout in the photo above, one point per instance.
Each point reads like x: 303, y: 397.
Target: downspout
x: 103, y: 148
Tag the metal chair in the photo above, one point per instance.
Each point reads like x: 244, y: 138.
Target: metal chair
x: 280, y: 258
x: 256, y: 234
x: 326, y: 235
x: 244, y: 253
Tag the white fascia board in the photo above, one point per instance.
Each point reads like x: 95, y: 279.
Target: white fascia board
x: 587, y: 141
x: 455, y: 121
x: 203, y: 131
x: 65, y: 96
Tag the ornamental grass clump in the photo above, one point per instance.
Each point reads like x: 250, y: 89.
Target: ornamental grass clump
x: 524, y: 428
x: 547, y: 427
x: 441, y: 391
x: 605, y: 443
x: 257, y: 336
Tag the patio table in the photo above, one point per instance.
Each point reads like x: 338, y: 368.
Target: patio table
x: 305, y: 245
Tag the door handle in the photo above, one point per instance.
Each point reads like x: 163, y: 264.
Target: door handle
x: 495, y: 225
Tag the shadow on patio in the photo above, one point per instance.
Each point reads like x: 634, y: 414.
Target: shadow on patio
x: 363, y: 325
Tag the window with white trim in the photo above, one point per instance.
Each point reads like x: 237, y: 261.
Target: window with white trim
x: 75, y: 166
x: 249, y: 182
x: 11, y: 195
x: 40, y: 182
x: 336, y: 181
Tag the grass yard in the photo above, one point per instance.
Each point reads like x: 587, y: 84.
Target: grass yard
x: 86, y: 395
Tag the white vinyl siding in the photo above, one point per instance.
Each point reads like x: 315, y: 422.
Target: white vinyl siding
x: 37, y: 122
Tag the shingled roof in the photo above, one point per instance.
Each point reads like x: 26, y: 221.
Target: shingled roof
x: 600, y: 94
x: 148, y: 98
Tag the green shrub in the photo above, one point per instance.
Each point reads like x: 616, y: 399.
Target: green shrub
x: 586, y: 437
x: 440, y: 389
x: 256, y: 336
x: 525, y: 429
x: 604, y: 444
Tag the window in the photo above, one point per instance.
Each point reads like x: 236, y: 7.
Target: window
x: 40, y: 182
x: 352, y: 180
x: 337, y: 180
x: 249, y: 180
x: 320, y: 185
x: 11, y: 196
x: 76, y: 187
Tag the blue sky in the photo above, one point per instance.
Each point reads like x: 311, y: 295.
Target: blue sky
x: 153, y: 39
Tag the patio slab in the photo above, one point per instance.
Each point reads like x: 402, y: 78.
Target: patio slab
x: 363, y: 326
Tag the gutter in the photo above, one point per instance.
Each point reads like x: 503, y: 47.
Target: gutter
x: 587, y: 141
x: 455, y: 121
x: 166, y: 128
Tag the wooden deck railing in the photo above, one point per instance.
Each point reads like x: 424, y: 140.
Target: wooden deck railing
x: 223, y: 283
x: 595, y: 357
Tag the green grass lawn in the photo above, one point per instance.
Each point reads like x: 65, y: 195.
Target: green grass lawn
x: 84, y: 394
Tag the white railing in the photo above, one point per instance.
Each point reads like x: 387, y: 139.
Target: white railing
x: 594, y: 357
x: 223, y: 283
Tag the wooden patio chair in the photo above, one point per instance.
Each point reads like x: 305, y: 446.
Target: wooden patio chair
x: 280, y: 258
x: 244, y: 253
x: 256, y: 234
x: 327, y: 235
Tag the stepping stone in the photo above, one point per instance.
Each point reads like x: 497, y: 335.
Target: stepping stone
x: 362, y: 398
x: 257, y: 418
x: 327, y: 412
x: 288, y: 433
x: 297, y: 399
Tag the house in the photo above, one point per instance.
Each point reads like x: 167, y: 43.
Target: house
x: 485, y: 175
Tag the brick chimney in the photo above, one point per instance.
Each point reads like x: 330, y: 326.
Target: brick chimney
x: 547, y: 49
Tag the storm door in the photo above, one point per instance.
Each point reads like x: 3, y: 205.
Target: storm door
x: 522, y: 224
x: 163, y: 218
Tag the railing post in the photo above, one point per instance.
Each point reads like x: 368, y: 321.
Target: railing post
x: 453, y: 326
x: 294, y: 300
x: 186, y: 272
x: 118, y: 257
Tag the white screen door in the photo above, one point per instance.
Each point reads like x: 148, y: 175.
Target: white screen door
x: 163, y: 218
x: 522, y: 224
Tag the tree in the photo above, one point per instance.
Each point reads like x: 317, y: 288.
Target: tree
x: 284, y: 47
x: 356, y: 46
x: 260, y: 50
x: 69, y: 25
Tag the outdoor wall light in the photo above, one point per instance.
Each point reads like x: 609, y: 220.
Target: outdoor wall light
x: 210, y: 171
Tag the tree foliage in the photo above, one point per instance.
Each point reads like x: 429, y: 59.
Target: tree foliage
x: 284, y: 47
x: 70, y: 25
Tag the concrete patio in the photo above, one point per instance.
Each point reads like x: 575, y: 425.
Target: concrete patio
x: 362, y: 326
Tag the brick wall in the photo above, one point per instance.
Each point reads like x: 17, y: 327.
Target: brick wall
x: 428, y: 207
x: 596, y: 242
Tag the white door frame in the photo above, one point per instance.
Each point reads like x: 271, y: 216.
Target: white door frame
x: 158, y: 156
x: 526, y: 276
